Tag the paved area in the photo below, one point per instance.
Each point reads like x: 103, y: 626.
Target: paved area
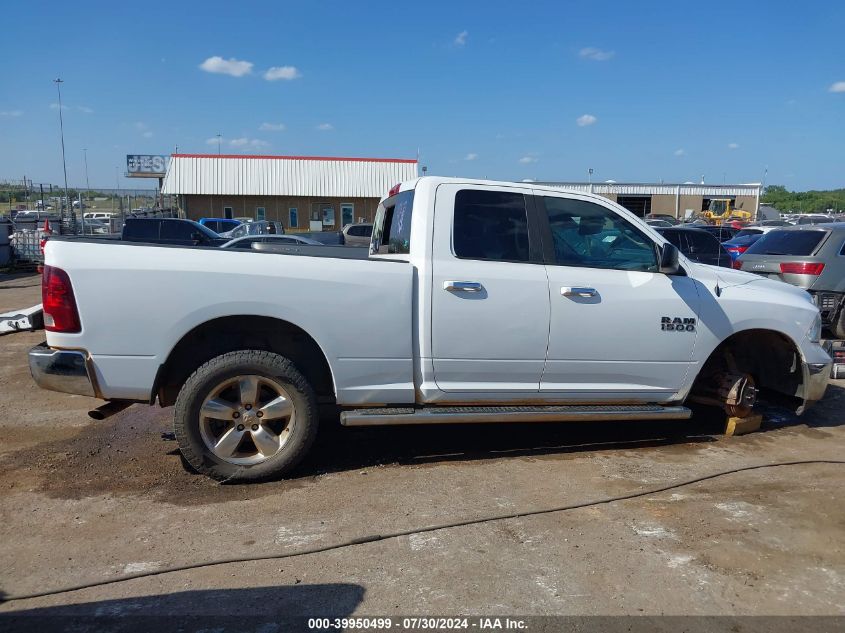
x: 86, y: 501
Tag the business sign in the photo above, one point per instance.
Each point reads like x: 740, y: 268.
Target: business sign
x: 146, y: 165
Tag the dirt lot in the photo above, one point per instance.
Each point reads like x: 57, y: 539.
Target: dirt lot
x: 89, y: 501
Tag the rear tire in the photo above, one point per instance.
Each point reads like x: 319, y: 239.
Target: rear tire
x: 245, y: 416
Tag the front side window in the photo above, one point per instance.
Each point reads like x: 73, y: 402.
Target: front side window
x: 589, y: 235
x: 490, y: 225
x: 702, y: 243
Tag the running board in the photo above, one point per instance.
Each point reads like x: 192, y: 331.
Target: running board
x: 463, y: 415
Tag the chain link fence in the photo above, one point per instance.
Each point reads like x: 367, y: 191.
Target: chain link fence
x: 31, y: 213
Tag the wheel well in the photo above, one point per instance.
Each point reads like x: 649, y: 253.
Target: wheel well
x: 770, y: 357
x: 228, y: 334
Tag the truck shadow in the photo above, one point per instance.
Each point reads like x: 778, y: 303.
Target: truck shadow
x: 339, y: 449
x: 284, y: 608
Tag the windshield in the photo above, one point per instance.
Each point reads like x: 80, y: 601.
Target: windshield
x: 787, y: 243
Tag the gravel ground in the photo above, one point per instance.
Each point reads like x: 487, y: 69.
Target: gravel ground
x: 88, y: 501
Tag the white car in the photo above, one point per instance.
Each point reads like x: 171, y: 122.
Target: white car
x: 247, y: 241
x: 477, y: 301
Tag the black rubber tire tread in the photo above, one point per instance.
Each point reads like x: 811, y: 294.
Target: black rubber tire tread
x: 207, y: 376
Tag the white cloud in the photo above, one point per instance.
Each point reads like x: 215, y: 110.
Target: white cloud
x: 55, y: 106
x: 140, y: 125
x: 325, y: 127
x: 680, y: 152
x: 525, y: 160
x: 838, y: 86
x: 282, y: 72
x: 147, y: 135
x: 595, y: 54
x: 212, y: 141
x: 11, y: 112
x: 471, y: 156
x: 85, y: 109
x: 585, y: 119
x: 461, y: 38
x: 247, y: 142
x: 272, y: 127
x: 733, y: 145
x: 231, y: 66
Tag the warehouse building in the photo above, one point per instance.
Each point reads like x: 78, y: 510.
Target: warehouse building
x: 302, y: 192
x: 681, y: 200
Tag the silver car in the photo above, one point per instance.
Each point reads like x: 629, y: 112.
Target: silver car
x: 357, y: 234
x: 810, y: 256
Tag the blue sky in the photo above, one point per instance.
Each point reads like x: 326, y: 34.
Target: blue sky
x: 637, y: 91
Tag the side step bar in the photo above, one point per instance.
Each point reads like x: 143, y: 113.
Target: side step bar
x: 463, y: 415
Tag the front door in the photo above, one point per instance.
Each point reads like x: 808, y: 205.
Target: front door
x: 490, y: 299
x: 620, y: 330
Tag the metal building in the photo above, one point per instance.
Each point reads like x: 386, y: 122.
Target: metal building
x: 301, y: 192
x: 680, y: 200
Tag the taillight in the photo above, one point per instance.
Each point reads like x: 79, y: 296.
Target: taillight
x: 736, y: 264
x: 802, y: 268
x: 59, y: 305
x: 394, y: 189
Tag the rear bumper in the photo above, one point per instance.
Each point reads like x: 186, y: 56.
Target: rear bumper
x: 67, y: 371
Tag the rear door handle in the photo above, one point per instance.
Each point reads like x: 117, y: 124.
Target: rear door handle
x: 462, y: 286
x: 578, y: 291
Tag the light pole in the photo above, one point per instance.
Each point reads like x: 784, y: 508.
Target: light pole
x: 58, y: 81
x: 219, y: 135
x: 87, y: 190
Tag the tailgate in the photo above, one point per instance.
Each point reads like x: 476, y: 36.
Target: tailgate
x: 797, y: 271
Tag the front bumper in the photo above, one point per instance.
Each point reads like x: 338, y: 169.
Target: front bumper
x: 816, y: 373
x: 67, y: 371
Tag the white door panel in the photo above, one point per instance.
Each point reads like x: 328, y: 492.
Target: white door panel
x: 614, y: 340
x: 490, y: 319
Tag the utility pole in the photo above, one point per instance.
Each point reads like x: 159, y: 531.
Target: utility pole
x: 219, y: 135
x: 58, y: 81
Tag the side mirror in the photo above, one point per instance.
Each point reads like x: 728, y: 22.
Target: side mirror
x: 669, y: 264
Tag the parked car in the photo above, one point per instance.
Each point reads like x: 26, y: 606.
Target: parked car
x: 357, y: 234
x: 665, y: 217
x: 98, y: 215
x: 476, y: 301
x: 738, y: 245
x: 96, y: 227
x: 814, y: 219
x: 754, y: 230
x: 263, y: 227
x: 172, y: 231
x: 659, y: 223
x: 247, y: 241
x: 327, y: 238
x: 770, y: 223
x: 810, y: 257
x: 220, y: 225
x: 721, y: 233
x: 700, y: 246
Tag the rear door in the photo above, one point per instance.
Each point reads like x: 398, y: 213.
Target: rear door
x: 490, y: 295
x: 620, y: 330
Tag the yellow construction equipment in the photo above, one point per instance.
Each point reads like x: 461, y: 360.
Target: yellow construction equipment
x: 720, y: 211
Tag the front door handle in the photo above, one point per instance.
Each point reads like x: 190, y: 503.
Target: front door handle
x: 462, y: 286
x: 578, y: 291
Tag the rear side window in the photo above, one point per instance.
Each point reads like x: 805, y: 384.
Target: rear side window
x: 490, y: 225
x: 702, y: 243
x: 176, y: 231
x: 142, y: 229
x: 393, y: 220
x: 787, y: 243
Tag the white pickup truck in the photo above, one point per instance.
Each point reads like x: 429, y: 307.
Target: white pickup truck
x: 477, y: 301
